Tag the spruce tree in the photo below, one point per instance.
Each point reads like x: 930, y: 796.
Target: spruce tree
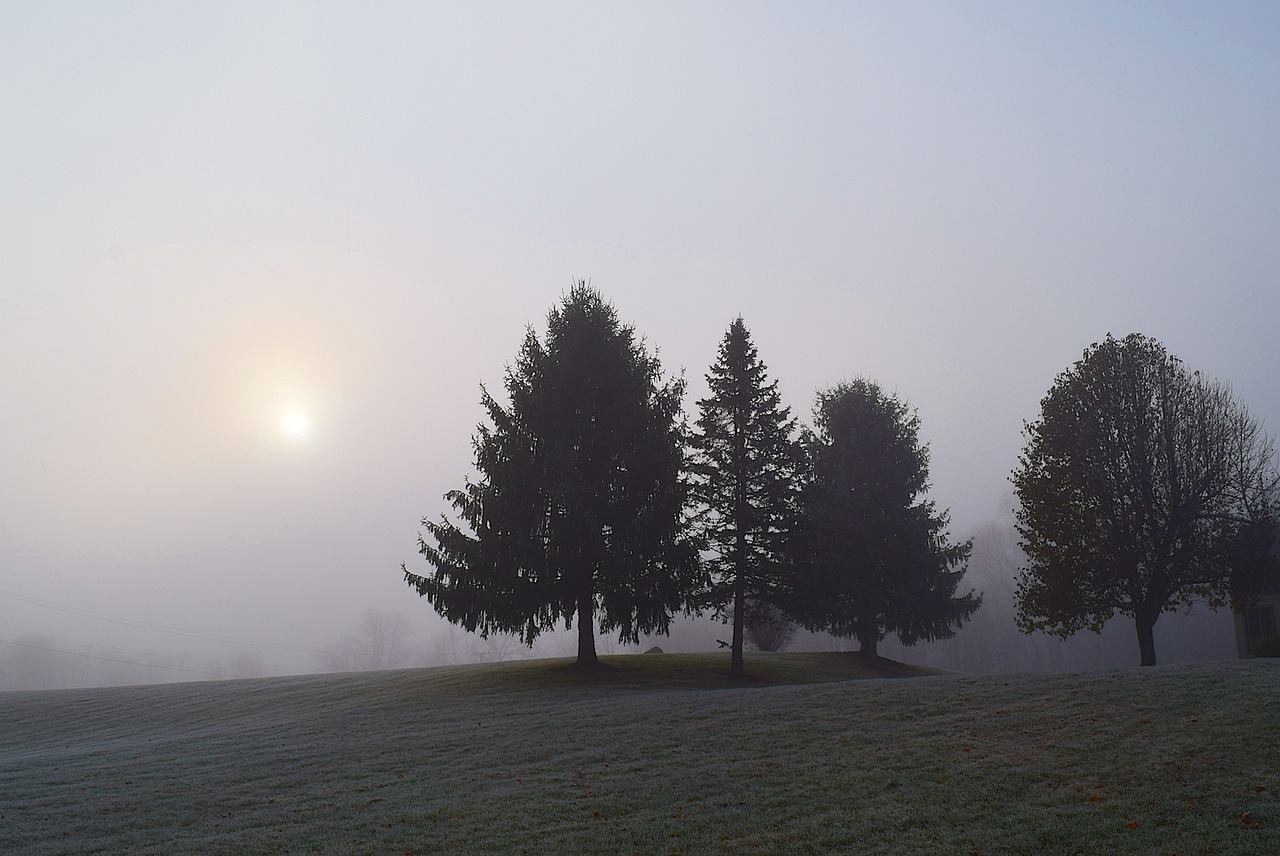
x: 745, y: 481
x: 578, y: 512
x: 875, y: 551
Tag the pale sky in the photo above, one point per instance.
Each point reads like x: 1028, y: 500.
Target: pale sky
x: 256, y: 258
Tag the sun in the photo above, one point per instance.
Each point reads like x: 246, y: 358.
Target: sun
x: 295, y: 425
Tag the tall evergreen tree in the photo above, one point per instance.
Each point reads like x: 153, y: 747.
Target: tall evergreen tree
x: 876, y: 551
x: 578, y: 513
x: 745, y: 482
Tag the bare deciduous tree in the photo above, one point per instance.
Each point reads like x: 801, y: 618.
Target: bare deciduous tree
x: 381, y: 640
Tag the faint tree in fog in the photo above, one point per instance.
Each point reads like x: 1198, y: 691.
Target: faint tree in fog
x: 767, y: 627
x: 874, y: 553
x: 745, y: 482
x: 381, y: 640
x: 34, y: 662
x: 246, y: 664
x: 454, y: 645
x: 1257, y: 561
x: 579, y: 511
x: 1136, y: 487
x: 37, y: 661
x: 991, y: 641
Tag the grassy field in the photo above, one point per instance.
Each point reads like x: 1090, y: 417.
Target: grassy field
x: 661, y: 754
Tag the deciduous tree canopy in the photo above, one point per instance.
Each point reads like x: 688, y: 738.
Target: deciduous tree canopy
x: 578, y: 510
x: 1142, y: 487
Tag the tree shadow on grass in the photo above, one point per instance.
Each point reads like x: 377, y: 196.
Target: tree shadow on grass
x: 704, y: 671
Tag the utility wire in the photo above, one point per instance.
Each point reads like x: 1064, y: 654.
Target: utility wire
x: 43, y: 636
x: 143, y: 625
x: 118, y: 660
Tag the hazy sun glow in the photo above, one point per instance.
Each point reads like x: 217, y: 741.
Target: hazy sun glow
x: 295, y: 425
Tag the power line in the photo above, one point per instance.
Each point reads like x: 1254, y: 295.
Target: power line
x: 41, y: 635
x: 204, y: 672
x: 143, y: 625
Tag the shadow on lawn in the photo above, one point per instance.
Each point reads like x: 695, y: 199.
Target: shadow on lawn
x: 702, y: 671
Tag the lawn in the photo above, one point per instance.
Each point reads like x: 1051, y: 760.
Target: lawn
x: 660, y: 754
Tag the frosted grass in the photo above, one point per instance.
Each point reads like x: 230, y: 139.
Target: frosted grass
x: 533, y: 758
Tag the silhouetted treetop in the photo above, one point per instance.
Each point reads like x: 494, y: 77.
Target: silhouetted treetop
x: 1142, y: 487
x: 874, y: 553
x: 746, y: 475
x: 578, y: 509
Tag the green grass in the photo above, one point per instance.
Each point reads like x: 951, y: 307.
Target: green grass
x: 658, y: 754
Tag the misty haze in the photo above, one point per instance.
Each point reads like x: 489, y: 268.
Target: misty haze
x: 284, y: 288
x: 253, y: 282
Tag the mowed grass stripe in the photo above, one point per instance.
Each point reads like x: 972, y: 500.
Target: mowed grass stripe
x: 660, y: 754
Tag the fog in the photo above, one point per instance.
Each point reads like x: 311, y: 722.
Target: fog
x: 257, y: 259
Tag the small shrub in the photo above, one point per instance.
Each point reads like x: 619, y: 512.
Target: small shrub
x: 767, y: 628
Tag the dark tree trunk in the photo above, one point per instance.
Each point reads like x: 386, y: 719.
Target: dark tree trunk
x: 1146, y: 625
x: 736, y: 667
x: 868, y: 635
x: 587, y: 630
x: 867, y: 646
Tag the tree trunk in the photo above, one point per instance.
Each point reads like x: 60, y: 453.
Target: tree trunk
x: 1146, y: 625
x: 867, y: 646
x: 736, y: 667
x: 587, y: 658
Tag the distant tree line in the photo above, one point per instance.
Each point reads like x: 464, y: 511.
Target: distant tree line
x: 595, y: 501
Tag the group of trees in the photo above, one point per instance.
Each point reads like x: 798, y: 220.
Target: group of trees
x: 596, y: 503
x: 1142, y: 488
x: 992, y: 643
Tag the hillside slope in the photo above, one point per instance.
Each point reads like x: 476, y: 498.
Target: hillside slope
x: 533, y: 757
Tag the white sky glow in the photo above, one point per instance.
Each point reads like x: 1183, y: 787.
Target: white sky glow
x: 214, y: 215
